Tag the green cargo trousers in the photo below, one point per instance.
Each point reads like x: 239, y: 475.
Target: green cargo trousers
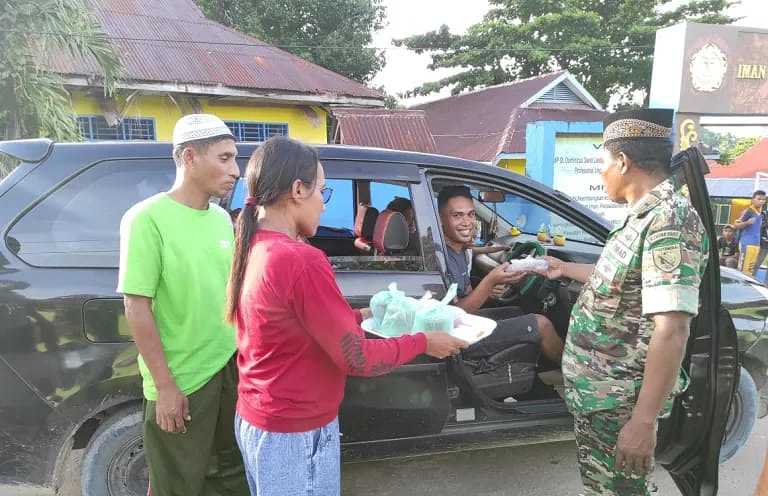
x: 205, y: 461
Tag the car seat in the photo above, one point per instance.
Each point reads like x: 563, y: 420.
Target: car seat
x: 365, y: 224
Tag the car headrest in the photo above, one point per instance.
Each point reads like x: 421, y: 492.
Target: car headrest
x: 391, y: 233
x: 365, y: 221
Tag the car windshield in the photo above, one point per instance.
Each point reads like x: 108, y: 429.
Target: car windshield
x: 529, y: 218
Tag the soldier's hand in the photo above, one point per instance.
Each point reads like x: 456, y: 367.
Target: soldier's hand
x: 556, y: 268
x: 635, y: 447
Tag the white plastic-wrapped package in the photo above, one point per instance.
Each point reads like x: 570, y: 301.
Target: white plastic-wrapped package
x: 528, y: 264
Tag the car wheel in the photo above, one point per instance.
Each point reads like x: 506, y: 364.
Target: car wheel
x: 114, y: 462
x: 742, y: 417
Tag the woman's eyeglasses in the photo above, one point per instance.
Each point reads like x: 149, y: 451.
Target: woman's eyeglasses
x: 327, y: 193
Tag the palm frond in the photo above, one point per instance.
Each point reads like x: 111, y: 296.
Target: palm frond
x: 39, y: 103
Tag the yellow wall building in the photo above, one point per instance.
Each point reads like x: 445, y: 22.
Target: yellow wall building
x: 176, y: 62
x: 304, y: 122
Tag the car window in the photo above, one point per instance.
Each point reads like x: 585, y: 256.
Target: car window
x: 340, y: 211
x: 336, y: 233
x: 78, y: 225
x: 517, y: 211
x: 383, y: 193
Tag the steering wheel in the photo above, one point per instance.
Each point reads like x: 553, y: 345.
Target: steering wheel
x: 518, y: 251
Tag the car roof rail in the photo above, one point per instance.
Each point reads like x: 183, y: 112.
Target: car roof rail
x: 27, y: 150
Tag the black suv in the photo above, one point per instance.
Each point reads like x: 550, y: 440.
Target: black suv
x: 68, y: 368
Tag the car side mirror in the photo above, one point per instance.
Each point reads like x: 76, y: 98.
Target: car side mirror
x: 492, y: 196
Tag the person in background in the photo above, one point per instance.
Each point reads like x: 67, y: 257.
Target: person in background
x: 175, y: 254
x: 728, y: 248
x: 405, y: 207
x: 750, y: 224
x: 763, y: 244
x: 297, y: 337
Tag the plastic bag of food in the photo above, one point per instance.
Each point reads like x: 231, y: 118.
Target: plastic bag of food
x: 434, y: 315
x: 399, y: 315
x: 380, y: 302
x: 528, y: 264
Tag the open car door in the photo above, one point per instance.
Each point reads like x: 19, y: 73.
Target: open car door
x: 689, y: 439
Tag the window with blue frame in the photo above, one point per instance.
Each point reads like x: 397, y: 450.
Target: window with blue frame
x: 256, y: 132
x: 96, y: 128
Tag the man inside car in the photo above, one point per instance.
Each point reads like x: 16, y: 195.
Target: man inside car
x: 457, y: 215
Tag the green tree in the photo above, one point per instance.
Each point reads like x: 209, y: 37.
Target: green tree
x: 607, y: 44
x: 334, y: 34
x: 730, y: 154
x: 33, y: 100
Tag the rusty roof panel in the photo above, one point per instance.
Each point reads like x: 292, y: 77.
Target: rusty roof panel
x: 481, y: 124
x: 382, y: 128
x: 171, y: 41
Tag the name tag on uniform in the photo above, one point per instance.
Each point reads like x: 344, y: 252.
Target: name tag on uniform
x: 621, y: 252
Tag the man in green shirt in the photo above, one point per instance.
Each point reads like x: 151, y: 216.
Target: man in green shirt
x: 175, y: 257
x: 629, y: 327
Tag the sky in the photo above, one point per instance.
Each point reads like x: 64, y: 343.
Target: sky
x: 405, y: 70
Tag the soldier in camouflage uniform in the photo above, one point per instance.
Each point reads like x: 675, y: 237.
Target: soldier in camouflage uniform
x: 629, y: 327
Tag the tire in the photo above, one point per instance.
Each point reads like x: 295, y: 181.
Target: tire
x: 742, y: 417
x: 114, y: 462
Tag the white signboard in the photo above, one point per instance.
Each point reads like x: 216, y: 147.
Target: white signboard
x: 578, y: 161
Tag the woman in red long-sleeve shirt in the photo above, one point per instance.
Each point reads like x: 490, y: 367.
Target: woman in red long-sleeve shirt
x: 297, y: 337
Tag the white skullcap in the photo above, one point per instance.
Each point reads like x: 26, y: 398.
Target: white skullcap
x: 196, y: 127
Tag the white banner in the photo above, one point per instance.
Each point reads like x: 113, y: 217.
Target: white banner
x: 577, y: 167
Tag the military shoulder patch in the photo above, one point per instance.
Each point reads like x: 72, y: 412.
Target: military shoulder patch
x: 667, y: 258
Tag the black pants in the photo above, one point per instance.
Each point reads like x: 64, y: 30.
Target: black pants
x: 513, y: 328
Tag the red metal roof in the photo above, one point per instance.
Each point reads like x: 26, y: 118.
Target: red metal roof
x: 383, y: 128
x: 194, y: 50
x: 481, y: 124
x: 746, y: 165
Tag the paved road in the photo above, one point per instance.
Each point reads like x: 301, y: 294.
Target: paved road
x: 538, y: 470
x: 541, y: 470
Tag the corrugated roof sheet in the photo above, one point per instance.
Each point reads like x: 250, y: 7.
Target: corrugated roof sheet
x: 194, y: 50
x: 746, y: 165
x: 481, y: 124
x: 383, y: 128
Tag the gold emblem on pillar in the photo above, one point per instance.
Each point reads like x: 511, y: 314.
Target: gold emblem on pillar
x: 688, y: 134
